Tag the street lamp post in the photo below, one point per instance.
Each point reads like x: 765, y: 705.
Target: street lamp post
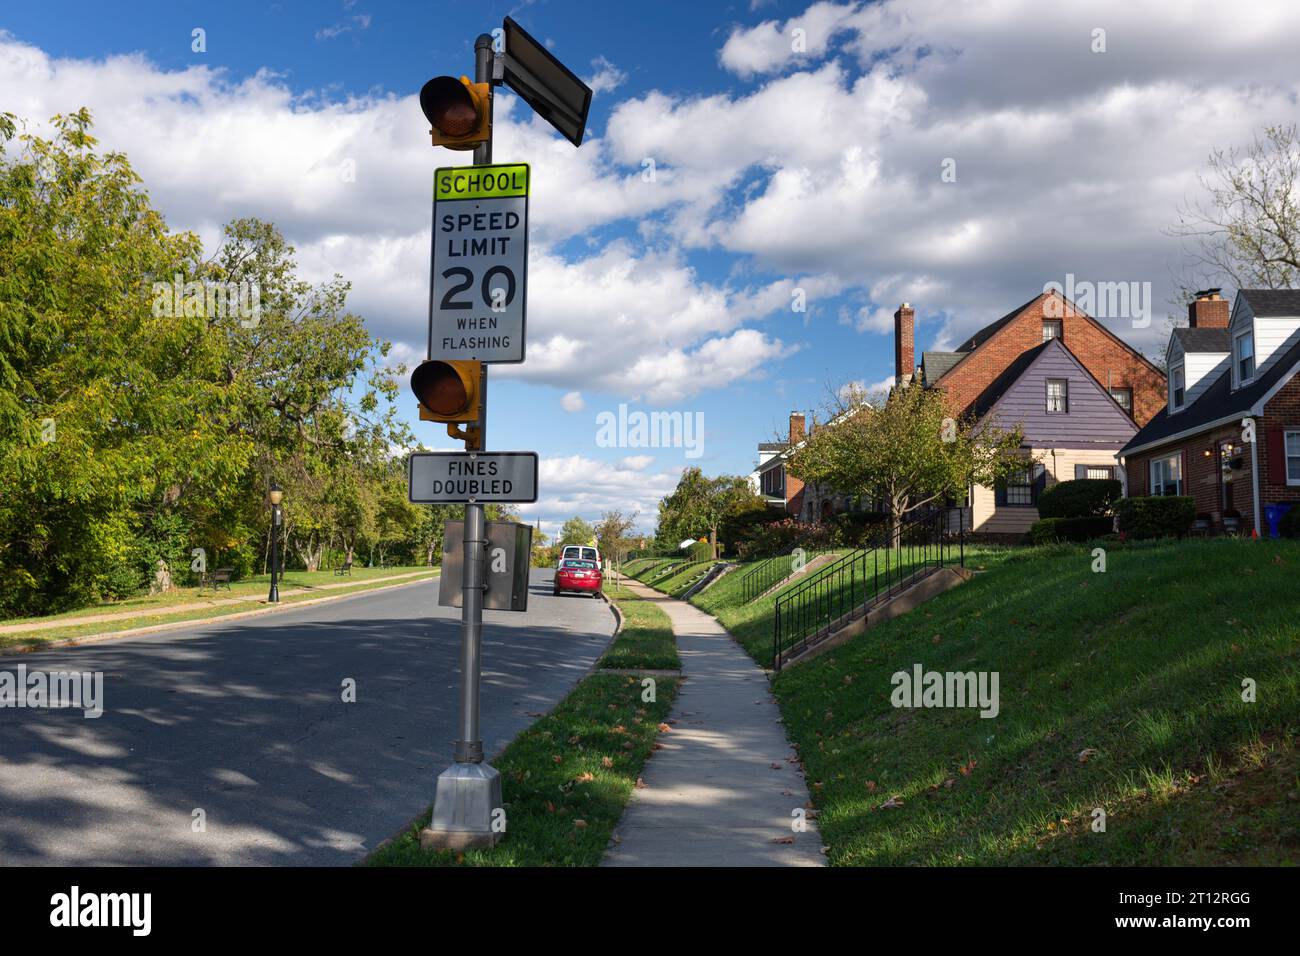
x: 277, y: 495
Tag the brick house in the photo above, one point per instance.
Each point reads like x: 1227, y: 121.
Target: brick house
x: 1230, y: 372
x: 770, y: 479
x: 1078, y: 390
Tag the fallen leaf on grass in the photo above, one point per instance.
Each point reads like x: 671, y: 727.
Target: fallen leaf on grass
x: 966, y: 770
x: 664, y: 728
x: 893, y: 803
x: 557, y: 758
x: 871, y: 786
x: 586, y: 777
x: 607, y: 762
x: 1086, y: 753
x: 641, y: 784
x: 580, y: 824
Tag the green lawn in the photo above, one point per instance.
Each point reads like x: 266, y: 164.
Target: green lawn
x: 646, y: 640
x: 191, y: 604
x: 565, y: 780
x: 1118, y: 690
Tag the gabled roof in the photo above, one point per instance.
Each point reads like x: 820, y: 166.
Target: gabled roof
x: 986, y: 333
x: 773, y: 445
x: 1269, y: 302
x: 999, y: 386
x: 1203, y: 340
x: 976, y: 341
x: 1214, y: 404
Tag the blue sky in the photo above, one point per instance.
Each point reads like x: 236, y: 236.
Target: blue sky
x: 795, y: 147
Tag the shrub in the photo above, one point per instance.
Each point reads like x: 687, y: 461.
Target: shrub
x: 1085, y: 528
x: 1155, y: 517
x: 782, y: 537
x: 1079, y: 498
x: 1289, y: 526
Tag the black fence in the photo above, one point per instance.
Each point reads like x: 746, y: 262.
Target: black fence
x: 767, y: 573
x: 866, y: 577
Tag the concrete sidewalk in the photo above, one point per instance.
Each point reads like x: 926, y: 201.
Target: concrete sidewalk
x: 723, y: 789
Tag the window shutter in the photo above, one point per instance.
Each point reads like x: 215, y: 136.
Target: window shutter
x: 1080, y: 471
x: 1000, y: 494
x: 1276, y: 442
x: 1183, y: 478
x: 1040, y: 481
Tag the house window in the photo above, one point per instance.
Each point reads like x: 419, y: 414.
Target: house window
x: 1176, y: 393
x: 1099, y: 471
x: 1020, y: 489
x: 1058, y: 395
x: 774, y: 482
x: 1243, y: 355
x: 1293, y: 458
x: 1167, y: 476
x: 1124, y: 399
x: 1051, y: 329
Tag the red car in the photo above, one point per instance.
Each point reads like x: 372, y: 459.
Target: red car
x: 575, y: 575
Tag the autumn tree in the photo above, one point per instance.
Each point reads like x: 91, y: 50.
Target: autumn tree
x: 1245, y: 230
x: 905, y: 450
x: 699, y: 505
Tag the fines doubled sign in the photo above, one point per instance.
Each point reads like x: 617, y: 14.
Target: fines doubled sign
x: 478, y: 285
x: 441, y: 477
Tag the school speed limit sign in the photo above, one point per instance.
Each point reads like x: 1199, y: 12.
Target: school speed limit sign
x: 478, y: 287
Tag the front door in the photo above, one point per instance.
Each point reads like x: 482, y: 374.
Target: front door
x: 1225, y: 475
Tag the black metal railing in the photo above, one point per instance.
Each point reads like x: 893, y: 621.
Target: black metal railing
x: 868, y: 576
x: 762, y: 576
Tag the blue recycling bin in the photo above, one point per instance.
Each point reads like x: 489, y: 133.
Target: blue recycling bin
x: 1273, y: 515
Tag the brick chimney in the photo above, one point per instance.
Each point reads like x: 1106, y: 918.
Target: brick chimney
x: 796, y: 427
x: 904, y: 348
x: 1208, y: 311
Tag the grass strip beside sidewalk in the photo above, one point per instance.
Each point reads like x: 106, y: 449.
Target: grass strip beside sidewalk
x: 565, y: 780
x: 646, y: 640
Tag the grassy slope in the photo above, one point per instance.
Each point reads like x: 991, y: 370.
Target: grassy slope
x: 565, y: 780
x: 646, y: 640
x: 751, y: 624
x: 1142, y: 665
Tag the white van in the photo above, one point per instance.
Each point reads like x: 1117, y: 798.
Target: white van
x: 580, y: 552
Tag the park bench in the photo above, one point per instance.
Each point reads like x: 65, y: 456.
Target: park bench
x: 215, y: 579
x: 345, y: 568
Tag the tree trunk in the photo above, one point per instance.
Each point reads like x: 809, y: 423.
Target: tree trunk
x: 713, y: 543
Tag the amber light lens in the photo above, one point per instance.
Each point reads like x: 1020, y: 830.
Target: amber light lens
x: 440, y: 388
x: 448, y: 106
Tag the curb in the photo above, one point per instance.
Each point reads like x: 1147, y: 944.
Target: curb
x: 199, y: 621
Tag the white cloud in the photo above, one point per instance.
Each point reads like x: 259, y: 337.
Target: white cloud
x: 572, y: 402
x: 577, y: 485
x: 607, y: 76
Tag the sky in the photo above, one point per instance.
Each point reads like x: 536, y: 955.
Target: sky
x: 761, y: 183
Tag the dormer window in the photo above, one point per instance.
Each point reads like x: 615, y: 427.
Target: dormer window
x: 1176, y: 387
x: 1051, y: 329
x: 1243, y: 357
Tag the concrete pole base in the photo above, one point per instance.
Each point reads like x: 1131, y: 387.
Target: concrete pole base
x: 465, y: 809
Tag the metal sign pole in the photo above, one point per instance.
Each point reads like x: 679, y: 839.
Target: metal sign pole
x: 468, y: 796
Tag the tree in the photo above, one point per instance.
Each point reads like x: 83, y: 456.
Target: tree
x: 576, y: 531
x: 904, y: 449
x: 699, y: 505
x: 1247, y: 235
x: 611, y: 536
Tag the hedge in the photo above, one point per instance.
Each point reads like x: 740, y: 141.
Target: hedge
x: 1079, y: 498
x: 1085, y: 528
x: 1165, y: 517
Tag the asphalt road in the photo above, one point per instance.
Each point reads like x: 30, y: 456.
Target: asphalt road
x: 245, y: 721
